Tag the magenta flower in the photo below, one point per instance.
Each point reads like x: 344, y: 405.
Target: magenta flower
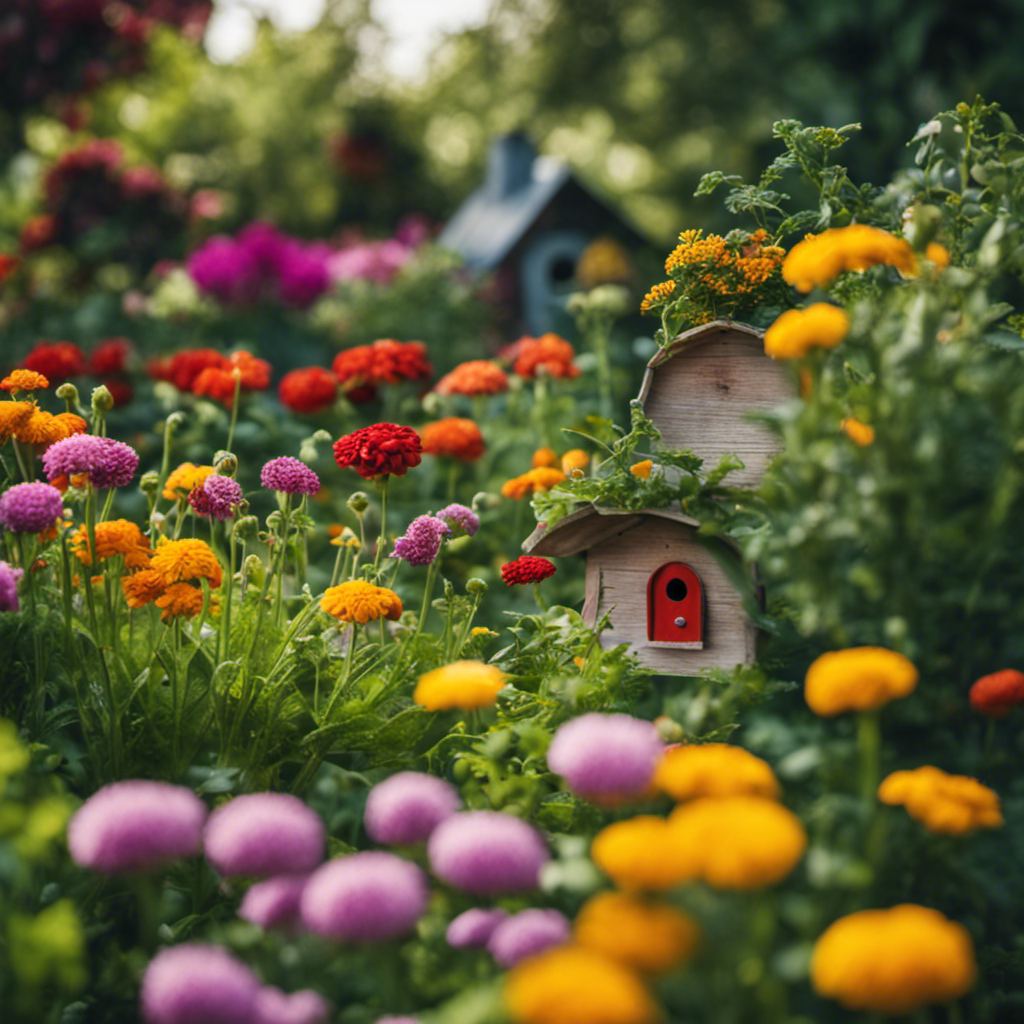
x: 136, y: 825
x: 422, y: 540
x: 365, y: 897
x: 528, y: 932
x: 196, y: 983
x: 217, y: 497
x: 264, y: 834
x: 274, y: 902
x: 108, y: 463
x: 303, y: 276
x: 606, y: 756
x: 227, y: 270
x: 474, y: 927
x: 289, y: 476
x: 303, y: 1007
x: 30, y: 508
x: 462, y: 521
x: 407, y: 807
x: 487, y: 852
x: 9, y: 577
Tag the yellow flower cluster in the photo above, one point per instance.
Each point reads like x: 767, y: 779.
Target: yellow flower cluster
x: 725, y: 270
x: 857, y: 679
x: 183, y: 480
x: 797, y: 331
x: 356, y: 601
x: 26, y: 422
x: 461, y: 684
x: 893, y: 961
x: 688, y: 772
x: 542, y: 478
x: 819, y: 259
x: 657, y: 295
x: 953, y: 804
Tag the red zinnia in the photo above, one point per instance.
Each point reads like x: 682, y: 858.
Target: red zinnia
x: 379, y: 450
x: 455, y: 437
x: 8, y: 265
x: 183, y: 368
x: 527, y: 569
x: 997, y: 694
x: 219, y: 382
x: 57, y: 360
x: 110, y: 357
x: 386, y: 361
x: 308, y: 390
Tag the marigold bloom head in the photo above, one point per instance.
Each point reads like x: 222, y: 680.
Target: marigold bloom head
x: 454, y: 437
x: 41, y: 427
x: 818, y: 259
x: 24, y: 380
x: 998, y: 693
x: 937, y: 253
x: 527, y: 569
x: 407, y: 807
x: 143, y: 587
x: 113, y: 537
x: 739, y: 842
x: 893, y: 961
x: 541, y: 478
x: 460, y: 684
x: 526, y: 934
x: 571, y: 984
x: 689, y: 771
x: 857, y: 679
x: 422, y: 540
x: 30, y: 507
x: 13, y: 416
x: 642, y: 469
x: 356, y: 601
x: 179, y: 600
x: 179, y: 561
x: 385, y: 361
x: 642, y: 853
x: 797, y: 331
x: 544, y: 457
x: 953, y: 804
x: 549, y: 354
x: 647, y: 936
x: 185, y: 479
x: 308, y: 390
x: 475, y: 377
x: 381, y: 449
x: 575, y: 458
x: 861, y: 434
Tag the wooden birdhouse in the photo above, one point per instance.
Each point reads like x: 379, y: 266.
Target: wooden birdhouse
x: 529, y: 224
x: 664, y: 591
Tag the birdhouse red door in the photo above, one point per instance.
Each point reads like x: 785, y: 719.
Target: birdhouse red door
x: 675, y: 606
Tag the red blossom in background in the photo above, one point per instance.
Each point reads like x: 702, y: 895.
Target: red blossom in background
x: 56, y: 360
x: 998, y: 694
x: 527, y: 569
x: 110, y: 357
x: 385, y: 361
x: 218, y: 382
x: 309, y: 389
x: 183, y: 368
x: 8, y: 265
x: 383, y: 449
x: 549, y: 353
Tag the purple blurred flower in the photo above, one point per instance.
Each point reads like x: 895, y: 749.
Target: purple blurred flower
x: 109, y: 463
x: 407, y: 807
x: 30, y: 508
x: 606, y: 756
x: 290, y: 476
x: 274, y: 902
x: 422, y: 540
x: 196, y: 983
x: 135, y: 825
x: 302, y: 275
x: 487, y: 852
x: 528, y: 932
x: 9, y: 577
x: 303, y: 1007
x: 227, y: 270
x: 474, y: 927
x: 462, y: 521
x: 217, y: 497
x: 264, y: 834
x: 365, y: 897
x: 266, y: 245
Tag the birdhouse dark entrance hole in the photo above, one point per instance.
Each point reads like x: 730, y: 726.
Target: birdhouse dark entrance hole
x: 675, y: 607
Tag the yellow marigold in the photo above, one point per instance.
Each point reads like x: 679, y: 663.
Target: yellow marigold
x: 575, y: 458
x: 857, y: 679
x: 41, y: 427
x: 113, y: 537
x: 893, y: 961
x: 642, y: 853
x: 937, y: 254
x: 24, y: 380
x: 482, y: 631
x: 181, y: 481
x: 647, y: 936
x: 739, y: 842
x: 361, y: 602
x: 346, y: 537
x: 657, y: 295
x: 603, y: 261
x: 142, y: 587
x: 461, y: 684
x: 544, y: 457
x: 180, y: 600
x: 859, y: 433
x: 542, y: 478
x: 954, y: 804
x: 797, y: 331
x: 819, y: 259
x: 13, y: 415
x: 574, y: 985
x: 182, y: 561
x: 642, y: 469
x: 716, y: 770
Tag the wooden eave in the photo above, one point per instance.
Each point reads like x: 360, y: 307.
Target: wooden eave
x: 588, y: 526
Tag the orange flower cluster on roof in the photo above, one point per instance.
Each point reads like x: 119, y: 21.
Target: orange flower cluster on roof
x: 543, y: 478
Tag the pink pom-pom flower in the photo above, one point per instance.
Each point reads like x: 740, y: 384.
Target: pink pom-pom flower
x: 407, y: 807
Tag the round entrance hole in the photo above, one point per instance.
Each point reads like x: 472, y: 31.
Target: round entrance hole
x: 675, y: 589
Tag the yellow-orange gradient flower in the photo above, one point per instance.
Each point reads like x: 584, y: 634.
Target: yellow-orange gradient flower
x: 797, y: 331
x: 113, y: 537
x: 642, y: 934
x: 575, y: 458
x: 857, y: 679
x: 715, y: 770
x: 462, y: 684
x: 41, y: 427
x: 544, y: 457
x: 893, y: 961
x: 142, y: 587
x: 819, y: 259
x: 13, y: 415
x: 953, y: 804
x: 642, y: 853
x: 180, y: 600
x: 183, y: 480
x: 24, y: 380
x: 182, y: 561
x: 361, y: 602
x: 543, y: 478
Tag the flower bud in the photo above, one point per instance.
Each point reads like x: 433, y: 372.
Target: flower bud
x: 358, y: 502
x: 433, y: 405
x: 476, y: 587
x: 149, y: 483
x: 102, y: 399
x: 246, y: 527
x: 225, y: 464
x: 68, y: 394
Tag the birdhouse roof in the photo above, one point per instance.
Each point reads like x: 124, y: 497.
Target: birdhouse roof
x: 588, y: 526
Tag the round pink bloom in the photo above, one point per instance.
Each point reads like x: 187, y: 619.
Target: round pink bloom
x: 365, y: 897
x: 217, y: 497
x: 9, y: 577
x: 108, y: 463
x: 407, y: 807
x: 198, y: 984
x: 290, y: 476
x: 606, y: 756
x: 526, y: 933
x: 31, y: 507
x: 487, y: 852
x: 461, y: 520
x: 422, y: 540
x: 274, y: 902
x: 136, y: 825
x: 474, y: 927
x: 264, y: 834
x: 303, y: 1007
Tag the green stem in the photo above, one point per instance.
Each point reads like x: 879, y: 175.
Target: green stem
x: 383, y: 523
x: 869, y: 743
x: 428, y: 587
x: 234, y: 409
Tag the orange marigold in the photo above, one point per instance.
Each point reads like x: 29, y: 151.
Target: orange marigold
x: 544, y: 457
x: 180, y: 600
x: 453, y: 436
x: 642, y: 469
x: 24, y: 380
x: 361, y: 602
x: 861, y: 434
x: 113, y: 537
x: 575, y: 458
x: 41, y: 427
x: 818, y: 259
x: 475, y: 377
x: 549, y: 354
x: 13, y: 415
x: 542, y: 478
x: 180, y: 561
x: 142, y: 587
x: 183, y: 480
x: 952, y: 804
